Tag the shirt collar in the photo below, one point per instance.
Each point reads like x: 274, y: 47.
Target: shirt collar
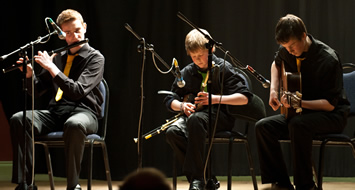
x: 83, y: 51
x: 311, y: 49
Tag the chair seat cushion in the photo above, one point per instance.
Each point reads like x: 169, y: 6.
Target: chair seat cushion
x: 58, y: 135
x: 228, y: 134
x: 333, y: 137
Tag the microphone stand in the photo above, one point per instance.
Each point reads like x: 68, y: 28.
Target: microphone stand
x: 235, y: 61
x: 142, y: 48
x: 14, y: 66
x: 22, y: 52
x: 210, y: 184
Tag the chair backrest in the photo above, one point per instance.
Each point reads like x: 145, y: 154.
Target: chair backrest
x: 349, y: 87
x: 254, y: 110
x: 103, y: 87
x: 244, y: 76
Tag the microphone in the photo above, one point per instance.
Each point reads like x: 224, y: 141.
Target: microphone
x: 61, y: 34
x: 180, y: 80
x: 264, y: 81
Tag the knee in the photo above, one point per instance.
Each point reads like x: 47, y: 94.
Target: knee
x: 16, y: 120
x: 295, y: 121
x: 297, y: 127
x: 171, y: 134
x: 259, y: 126
x: 17, y: 117
x: 196, y: 124
x: 74, y: 127
x: 194, y: 118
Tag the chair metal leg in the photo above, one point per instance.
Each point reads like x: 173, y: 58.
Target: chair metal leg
x: 314, y: 171
x: 107, y: 166
x: 321, y: 164
x: 230, y: 152
x: 251, y: 165
x: 49, y: 166
x: 174, y: 172
x: 91, y: 149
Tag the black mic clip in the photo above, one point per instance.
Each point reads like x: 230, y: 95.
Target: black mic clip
x: 259, y: 77
x: 57, y: 30
x: 149, y: 47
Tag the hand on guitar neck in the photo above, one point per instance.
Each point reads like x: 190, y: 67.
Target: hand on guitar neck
x: 291, y: 92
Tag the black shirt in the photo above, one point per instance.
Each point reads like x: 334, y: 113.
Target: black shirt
x: 81, y: 87
x: 321, y: 73
x: 233, y: 83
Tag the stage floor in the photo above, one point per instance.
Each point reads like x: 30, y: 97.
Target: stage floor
x: 60, y: 184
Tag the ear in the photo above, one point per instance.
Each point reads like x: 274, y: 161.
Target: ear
x: 85, y: 26
x: 304, y: 36
x: 213, y: 49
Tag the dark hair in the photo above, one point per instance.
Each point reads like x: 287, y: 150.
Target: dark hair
x: 288, y: 27
x: 145, y: 179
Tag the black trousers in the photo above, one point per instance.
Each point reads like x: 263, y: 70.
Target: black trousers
x: 300, y: 130
x: 187, y: 137
x: 76, y: 124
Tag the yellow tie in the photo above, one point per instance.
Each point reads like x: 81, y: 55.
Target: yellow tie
x: 298, y: 60
x: 66, y: 72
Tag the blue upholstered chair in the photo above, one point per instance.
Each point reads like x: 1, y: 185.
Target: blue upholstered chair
x: 250, y: 113
x: 55, y: 139
x: 338, y: 139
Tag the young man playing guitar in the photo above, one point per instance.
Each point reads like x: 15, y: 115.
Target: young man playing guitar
x: 321, y: 103
x: 187, y: 136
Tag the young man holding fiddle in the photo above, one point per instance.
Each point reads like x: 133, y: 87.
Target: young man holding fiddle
x: 73, y: 77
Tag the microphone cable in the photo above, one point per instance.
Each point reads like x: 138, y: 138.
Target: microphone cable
x: 216, y: 121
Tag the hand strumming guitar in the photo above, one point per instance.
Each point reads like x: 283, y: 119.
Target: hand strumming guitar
x: 274, y: 101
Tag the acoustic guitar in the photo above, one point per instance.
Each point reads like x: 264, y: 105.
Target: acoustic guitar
x: 289, y: 83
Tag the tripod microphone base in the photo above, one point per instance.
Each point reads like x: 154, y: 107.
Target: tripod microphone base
x: 24, y: 186
x: 32, y: 187
x: 212, y: 185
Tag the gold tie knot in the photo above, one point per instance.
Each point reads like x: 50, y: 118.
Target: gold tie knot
x: 298, y: 61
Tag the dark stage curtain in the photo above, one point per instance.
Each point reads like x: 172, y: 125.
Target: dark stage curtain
x: 246, y: 29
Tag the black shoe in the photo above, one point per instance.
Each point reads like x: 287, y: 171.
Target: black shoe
x: 309, y: 188
x: 77, y: 187
x: 213, y: 183
x: 21, y: 186
x: 197, y: 185
x: 24, y: 186
x: 216, y: 182
x: 276, y: 186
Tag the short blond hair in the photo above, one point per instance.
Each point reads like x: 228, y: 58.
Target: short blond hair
x: 69, y: 15
x: 196, y: 41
